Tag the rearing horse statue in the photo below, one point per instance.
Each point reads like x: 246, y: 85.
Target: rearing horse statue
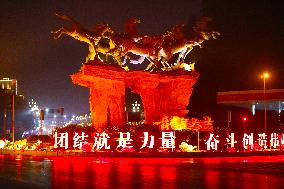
x: 158, y: 49
x: 92, y: 38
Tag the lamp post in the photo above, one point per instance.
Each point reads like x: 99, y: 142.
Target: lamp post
x: 13, y: 118
x: 264, y: 76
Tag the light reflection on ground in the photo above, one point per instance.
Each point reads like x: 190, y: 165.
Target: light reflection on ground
x: 91, y: 172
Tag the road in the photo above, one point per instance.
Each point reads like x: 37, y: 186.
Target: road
x: 91, y: 172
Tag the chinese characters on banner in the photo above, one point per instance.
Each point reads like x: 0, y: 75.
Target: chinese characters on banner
x: 101, y: 141
x: 212, y: 143
x: 167, y: 141
x: 248, y: 141
x: 124, y: 140
x: 61, y: 140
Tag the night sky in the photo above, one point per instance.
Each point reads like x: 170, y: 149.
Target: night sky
x: 252, y: 41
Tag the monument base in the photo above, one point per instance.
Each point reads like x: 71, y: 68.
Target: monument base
x: 161, y: 93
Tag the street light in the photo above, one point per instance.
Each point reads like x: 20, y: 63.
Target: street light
x: 264, y: 76
x: 245, y: 123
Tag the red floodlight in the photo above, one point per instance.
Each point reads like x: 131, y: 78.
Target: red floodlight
x: 245, y: 119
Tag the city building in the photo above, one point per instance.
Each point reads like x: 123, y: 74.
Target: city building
x: 9, y: 84
x: 133, y: 107
x: 12, y: 103
x: 254, y: 109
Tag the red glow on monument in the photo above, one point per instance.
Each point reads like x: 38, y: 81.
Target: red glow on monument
x: 163, y: 86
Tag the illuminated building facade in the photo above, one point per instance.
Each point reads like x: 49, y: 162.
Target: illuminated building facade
x: 9, y: 84
x: 8, y: 89
x: 133, y: 107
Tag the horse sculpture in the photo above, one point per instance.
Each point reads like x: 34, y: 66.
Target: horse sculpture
x: 158, y: 50
x: 178, y: 41
x: 146, y: 47
x: 92, y: 38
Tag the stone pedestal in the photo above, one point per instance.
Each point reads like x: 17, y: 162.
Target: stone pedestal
x: 162, y: 94
x: 107, y: 93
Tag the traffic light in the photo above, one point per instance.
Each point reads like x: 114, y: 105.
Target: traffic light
x: 41, y: 115
x: 62, y: 111
x: 245, y: 118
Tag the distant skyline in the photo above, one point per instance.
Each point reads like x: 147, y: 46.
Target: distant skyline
x: 252, y: 39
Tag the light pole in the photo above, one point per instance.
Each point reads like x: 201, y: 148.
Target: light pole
x: 13, y: 117
x: 264, y: 76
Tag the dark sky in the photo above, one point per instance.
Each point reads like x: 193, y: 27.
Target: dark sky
x: 252, y: 40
